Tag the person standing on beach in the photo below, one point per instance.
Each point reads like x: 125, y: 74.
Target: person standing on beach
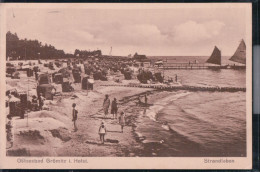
x: 145, y: 99
x: 139, y: 100
x: 74, y: 116
x: 122, y: 121
x: 102, y: 132
x: 36, y: 75
x: 41, y: 101
x: 34, y: 103
x: 114, y: 108
x: 106, y: 105
x: 53, y: 91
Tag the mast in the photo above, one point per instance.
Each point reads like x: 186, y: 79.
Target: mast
x: 110, y: 53
x: 25, y: 53
x: 215, y: 57
x: 240, y: 53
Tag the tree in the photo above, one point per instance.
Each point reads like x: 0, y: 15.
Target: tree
x: 30, y: 49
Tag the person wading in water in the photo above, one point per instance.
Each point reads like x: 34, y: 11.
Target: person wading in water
x: 106, y: 105
x: 74, y: 116
x: 102, y: 132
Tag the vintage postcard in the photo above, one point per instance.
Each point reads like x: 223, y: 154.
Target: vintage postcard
x: 126, y: 86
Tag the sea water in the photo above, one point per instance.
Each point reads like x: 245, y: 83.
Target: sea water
x: 186, y: 123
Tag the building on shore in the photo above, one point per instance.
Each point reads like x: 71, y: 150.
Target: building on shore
x: 142, y: 59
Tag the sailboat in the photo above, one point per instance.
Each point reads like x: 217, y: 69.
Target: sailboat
x: 215, y: 58
x: 239, y: 56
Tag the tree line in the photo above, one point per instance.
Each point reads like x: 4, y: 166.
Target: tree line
x: 23, y: 49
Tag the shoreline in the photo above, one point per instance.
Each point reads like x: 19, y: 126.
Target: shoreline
x: 61, y: 141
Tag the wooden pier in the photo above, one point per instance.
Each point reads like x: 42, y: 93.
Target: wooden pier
x: 187, y: 66
x: 182, y: 87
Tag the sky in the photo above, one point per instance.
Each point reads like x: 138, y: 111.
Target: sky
x: 149, y: 31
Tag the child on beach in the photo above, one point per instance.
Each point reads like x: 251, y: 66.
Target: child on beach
x: 53, y: 91
x: 41, y: 101
x: 122, y: 121
x: 34, y: 103
x: 106, y: 105
x: 114, y: 108
x: 102, y: 131
x: 74, y: 116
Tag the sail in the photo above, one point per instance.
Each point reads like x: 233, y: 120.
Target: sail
x: 215, y: 57
x: 240, y: 54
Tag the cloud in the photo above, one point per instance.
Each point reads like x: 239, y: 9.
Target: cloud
x: 134, y: 34
x: 192, y: 32
x: 151, y: 32
x: 72, y: 39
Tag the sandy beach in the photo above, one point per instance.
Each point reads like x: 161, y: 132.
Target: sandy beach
x: 50, y: 132
x: 169, y: 125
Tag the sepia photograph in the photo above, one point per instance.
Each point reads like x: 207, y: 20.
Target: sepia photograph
x: 133, y: 80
